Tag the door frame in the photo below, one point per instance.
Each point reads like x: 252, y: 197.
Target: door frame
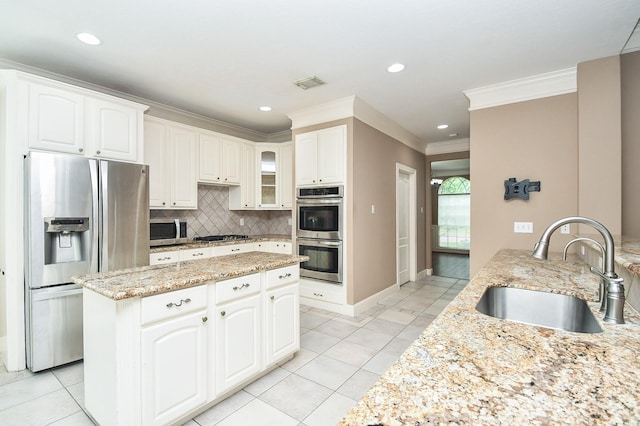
x: 413, y: 224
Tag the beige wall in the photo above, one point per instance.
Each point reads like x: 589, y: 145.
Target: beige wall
x: 374, y: 183
x: 630, y: 80
x: 599, y: 136
x: 534, y: 140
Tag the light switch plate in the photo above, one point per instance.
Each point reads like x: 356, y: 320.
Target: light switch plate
x: 523, y: 227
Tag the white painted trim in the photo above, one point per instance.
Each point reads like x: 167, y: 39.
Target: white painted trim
x: 375, y: 119
x: 447, y: 147
x: 413, y: 220
x: 523, y: 89
x: 323, y: 113
x: 328, y: 306
x: 373, y: 300
x: 351, y: 106
x: 424, y: 273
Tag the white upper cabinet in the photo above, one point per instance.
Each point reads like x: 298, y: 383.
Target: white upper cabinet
x: 56, y: 120
x: 170, y: 152
x: 220, y: 160
x: 243, y: 197
x: 275, y: 176
x: 320, y: 156
x: 64, y: 118
x: 115, y: 131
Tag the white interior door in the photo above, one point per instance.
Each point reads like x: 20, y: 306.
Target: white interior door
x: 403, y: 227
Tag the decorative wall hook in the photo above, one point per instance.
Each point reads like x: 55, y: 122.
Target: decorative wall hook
x: 513, y: 189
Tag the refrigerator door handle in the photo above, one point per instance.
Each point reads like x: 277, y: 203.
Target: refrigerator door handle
x: 94, y: 257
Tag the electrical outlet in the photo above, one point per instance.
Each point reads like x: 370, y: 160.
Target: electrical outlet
x: 373, y: 209
x: 241, y: 221
x: 523, y: 227
x: 565, y: 229
x: 289, y: 221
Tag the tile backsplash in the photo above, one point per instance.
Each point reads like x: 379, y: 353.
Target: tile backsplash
x: 213, y: 216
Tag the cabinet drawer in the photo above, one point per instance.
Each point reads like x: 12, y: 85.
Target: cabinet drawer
x: 232, y: 249
x: 281, y: 276
x: 325, y: 292
x: 237, y: 287
x: 164, y: 257
x: 196, y: 254
x: 173, y: 303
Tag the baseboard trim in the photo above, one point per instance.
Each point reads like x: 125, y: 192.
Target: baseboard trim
x: 373, y: 300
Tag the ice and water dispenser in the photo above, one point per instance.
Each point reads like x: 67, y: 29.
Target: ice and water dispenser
x: 66, y: 239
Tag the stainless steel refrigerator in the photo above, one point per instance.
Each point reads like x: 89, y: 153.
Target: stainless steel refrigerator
x: 81, y: 216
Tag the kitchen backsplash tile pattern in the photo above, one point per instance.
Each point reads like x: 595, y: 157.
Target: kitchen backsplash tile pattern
x: 213, y: 216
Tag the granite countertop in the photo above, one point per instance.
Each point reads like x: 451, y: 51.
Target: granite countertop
x: 469, y: 368
x: 149, y: 280
x: 198, y: 244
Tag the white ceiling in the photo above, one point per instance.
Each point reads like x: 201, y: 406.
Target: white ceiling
x: 223, y: 59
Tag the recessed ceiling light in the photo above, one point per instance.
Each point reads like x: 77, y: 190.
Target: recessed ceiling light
x: 442, y: 126
x: 265, y: 108
x: 88, y: 39
x: 395, y: 68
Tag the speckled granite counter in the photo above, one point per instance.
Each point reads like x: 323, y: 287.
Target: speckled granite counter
x: 469, y: 368
x: 149, y: 280
x: 198, y: 244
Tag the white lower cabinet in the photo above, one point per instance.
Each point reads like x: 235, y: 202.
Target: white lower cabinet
x: 282, y: 319
x: 174, y: 367
x: 159, y: 359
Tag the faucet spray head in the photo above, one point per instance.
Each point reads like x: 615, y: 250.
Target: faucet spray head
x: 541, y: 250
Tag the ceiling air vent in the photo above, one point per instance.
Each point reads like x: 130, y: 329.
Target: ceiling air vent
x: 309, y: 82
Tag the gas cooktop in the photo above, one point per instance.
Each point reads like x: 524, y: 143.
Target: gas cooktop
x: 221, y: 238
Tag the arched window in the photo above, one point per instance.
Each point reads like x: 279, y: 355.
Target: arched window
x: 454, y: 214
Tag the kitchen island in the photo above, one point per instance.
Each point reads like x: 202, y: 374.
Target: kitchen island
x: 470, y: 368
x: 163, y: 343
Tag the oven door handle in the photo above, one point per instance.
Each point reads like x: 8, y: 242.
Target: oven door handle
x: 330, y: 243
x: 317, y: 201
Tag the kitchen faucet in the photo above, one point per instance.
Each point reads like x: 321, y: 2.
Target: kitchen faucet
x: 614, y: 290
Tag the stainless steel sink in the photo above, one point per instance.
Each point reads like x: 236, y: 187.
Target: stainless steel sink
x: 539, y: 308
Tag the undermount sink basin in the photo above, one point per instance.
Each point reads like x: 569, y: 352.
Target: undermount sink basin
x: 539, y: 308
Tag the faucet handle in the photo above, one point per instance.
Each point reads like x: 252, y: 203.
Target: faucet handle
x: 610, y: 279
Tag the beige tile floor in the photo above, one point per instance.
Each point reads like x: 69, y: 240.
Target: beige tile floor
x: 339, y: 359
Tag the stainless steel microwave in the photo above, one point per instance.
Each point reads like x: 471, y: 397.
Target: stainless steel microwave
x: 165, y: 232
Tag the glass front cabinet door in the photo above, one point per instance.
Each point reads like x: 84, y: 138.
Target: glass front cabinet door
x: 268, y: 196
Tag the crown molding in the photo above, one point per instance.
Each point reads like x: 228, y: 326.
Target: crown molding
x: 523, y: 89
x: 352, y: 106
x: 156, y: 109
x: 447, y: 147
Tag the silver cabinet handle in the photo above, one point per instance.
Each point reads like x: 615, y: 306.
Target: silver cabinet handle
x: 170, y: 304
x: 80, y: 150
x: 98, y: 152
x: 197, y: 254
x: 236, y: 249
x: 223, y: 313
x: 236, y: 288
x: 287, y: 275
x: 272, y: 297
x: 318, y: 294
x: 204, y: 319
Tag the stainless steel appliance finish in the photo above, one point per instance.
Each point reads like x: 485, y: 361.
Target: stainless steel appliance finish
x: 325, y: 259
x: 167, y: 232
x: 82, y: 216
x: 320, y: 212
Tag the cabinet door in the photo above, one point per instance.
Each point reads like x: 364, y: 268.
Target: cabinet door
x: 174, y: 372
x: 183, y: 168
x: 155, y: 155
x: 210, y: 158
x: 285, y: 174
x: 331, y: 155
x: 114, y: 130
x: 232, y: 162
x: 238, y: 341
x: 248, y: 193
x: 56, y: 120
x: 267, y: 178
x: 306, y: 158
x: 282, y: 318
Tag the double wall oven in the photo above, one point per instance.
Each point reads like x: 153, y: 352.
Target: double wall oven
x: 319, y: 232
